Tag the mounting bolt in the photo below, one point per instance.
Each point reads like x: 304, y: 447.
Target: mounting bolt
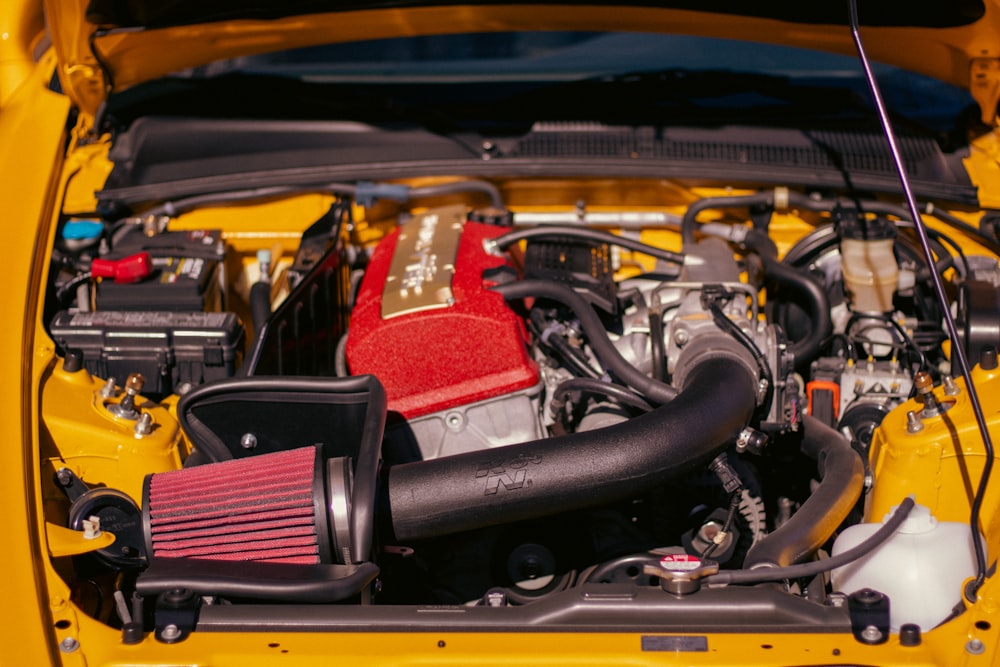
x: 913, y: 423
x: 69, y: 645
x: 109, y: 389
x: 133, y: 385
x: 950, y: 386
x: 924, y: 383
x: 144, y: 426
x: 170, y: 632
x: 871, y: 634
x: 248, y: 441
x: 125, y: 408
x: 975, y: 646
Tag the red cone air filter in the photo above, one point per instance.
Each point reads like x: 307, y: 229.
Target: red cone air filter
x: 268, y: 508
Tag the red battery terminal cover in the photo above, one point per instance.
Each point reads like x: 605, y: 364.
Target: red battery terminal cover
x: 129, y: 269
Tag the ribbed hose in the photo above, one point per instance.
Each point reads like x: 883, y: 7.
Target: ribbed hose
x: 549, y: 476
x: 842, y: 478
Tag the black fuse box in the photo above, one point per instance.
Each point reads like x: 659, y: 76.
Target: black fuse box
x: 184, y: 276
x: 170, y: 349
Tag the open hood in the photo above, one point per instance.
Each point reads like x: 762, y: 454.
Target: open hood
x: 106, y: 47
x: 438, y: 332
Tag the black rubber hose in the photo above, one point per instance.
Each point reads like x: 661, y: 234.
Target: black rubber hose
x: 584, y: 234
x: 553, y: 475
x: 842, y: 478
x: 767, y: 200
x: 812, y: 568
x: 652, y: 390
x: 571, y: 358
x: 689, y: 223
x: 485, y: 187
x: 615, y: 392
x: 808, y: 290
x: 179, y: 206
x: 744, y: 339
x: 657, y: 353
x: 65, y: 294
x: 176, y: 207
x: 260, y: 304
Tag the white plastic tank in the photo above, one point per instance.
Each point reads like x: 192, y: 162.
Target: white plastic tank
x: 921, y: 567
x: 870, y: 272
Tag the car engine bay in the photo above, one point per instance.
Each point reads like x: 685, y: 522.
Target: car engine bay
x: 441, y: 394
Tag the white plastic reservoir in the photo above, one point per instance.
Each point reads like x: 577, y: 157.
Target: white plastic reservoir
x: 870, y: 272
x: 921, y: 567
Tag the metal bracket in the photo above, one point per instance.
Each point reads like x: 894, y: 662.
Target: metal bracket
x: 984, y: 84
x: 176, y: 615
x: 869, y: 610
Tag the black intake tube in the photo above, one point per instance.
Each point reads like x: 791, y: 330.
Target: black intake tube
x: 842, y: 478
x: 553, y: 475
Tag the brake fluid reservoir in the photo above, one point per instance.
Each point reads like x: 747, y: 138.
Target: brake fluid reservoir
x: 921, y: 567
x: 868, y: 263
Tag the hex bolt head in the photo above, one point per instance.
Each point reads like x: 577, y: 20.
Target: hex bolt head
x: 69, y: 645
x: 248, y: 441
x: 170, y: 632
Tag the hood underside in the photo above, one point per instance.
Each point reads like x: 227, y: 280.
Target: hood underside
x: 147, y: 14
x: 106, y: 47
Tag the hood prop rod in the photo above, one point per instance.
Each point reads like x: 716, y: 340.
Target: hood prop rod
x: 956, y: 349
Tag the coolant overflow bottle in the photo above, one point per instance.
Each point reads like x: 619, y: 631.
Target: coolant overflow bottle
x: 868, y: 264
x: 921, y: 567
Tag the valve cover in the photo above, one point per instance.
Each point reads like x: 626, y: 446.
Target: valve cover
x: 426, y: 324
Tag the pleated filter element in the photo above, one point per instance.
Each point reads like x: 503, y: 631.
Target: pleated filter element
x: 267, y: 508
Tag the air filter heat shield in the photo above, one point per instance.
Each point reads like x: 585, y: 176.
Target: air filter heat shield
x: 268, y: 508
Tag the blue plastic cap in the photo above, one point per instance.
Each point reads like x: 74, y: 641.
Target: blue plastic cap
x: 78, y: 230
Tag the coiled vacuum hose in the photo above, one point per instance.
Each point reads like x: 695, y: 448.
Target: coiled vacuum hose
x: 553, y: 475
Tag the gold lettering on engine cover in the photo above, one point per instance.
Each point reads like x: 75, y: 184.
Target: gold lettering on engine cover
x: 423, y: 263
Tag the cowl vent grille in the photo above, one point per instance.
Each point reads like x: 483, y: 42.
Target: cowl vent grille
x: 851, y: 151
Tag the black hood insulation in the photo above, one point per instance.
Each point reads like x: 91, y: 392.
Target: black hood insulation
x: 895, y: 13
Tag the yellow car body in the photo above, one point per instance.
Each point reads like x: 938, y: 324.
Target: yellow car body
x: 53, y: 160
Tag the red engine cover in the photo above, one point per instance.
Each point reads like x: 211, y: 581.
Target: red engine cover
x: 460, y: 343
